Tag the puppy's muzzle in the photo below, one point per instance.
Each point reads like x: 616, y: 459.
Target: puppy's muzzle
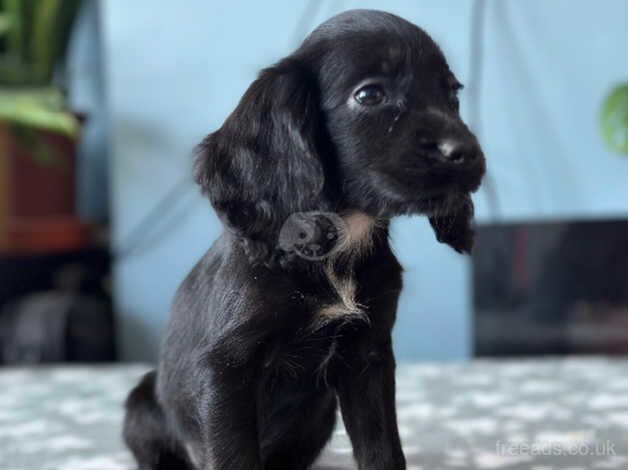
x: 452, y: 151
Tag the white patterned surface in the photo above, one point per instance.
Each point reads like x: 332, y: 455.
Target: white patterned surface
x: 538, y: 415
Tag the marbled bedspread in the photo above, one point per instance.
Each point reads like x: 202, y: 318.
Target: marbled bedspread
x: 542, y: 415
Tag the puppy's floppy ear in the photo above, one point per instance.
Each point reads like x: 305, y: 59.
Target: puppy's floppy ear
x: 263, y: 165
x: 454, y: 226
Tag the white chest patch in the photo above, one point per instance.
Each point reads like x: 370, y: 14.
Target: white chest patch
x: 347, y: 305
x: 359, y: 237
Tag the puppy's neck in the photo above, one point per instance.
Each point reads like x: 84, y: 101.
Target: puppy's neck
x: 356, y: 235
x: 360, y: 231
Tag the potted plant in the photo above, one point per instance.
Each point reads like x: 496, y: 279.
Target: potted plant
x: 38, y: 133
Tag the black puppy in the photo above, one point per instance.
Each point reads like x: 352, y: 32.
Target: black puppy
x: 290, y: 312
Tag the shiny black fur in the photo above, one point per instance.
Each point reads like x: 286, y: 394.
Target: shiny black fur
x: 251, y: 372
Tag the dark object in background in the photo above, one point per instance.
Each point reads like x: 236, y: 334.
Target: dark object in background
x: 551, y: 288
x: 57, y: 326
x: 26, y: 274
x: 56, y: 307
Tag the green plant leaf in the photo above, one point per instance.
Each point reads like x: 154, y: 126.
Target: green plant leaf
x: 43, y: 44
x: 40, y: 108
x: 35, y: 36
x: 5, y: 24
x: 614, y: 119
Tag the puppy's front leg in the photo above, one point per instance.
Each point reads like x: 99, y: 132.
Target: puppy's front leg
x: 229, y: 438
x: 367, y: 400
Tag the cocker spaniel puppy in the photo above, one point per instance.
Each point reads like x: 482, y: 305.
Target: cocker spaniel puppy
x: 289, y: 313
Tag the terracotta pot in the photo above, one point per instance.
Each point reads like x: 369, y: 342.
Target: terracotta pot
x: 37, y: 235
x: 37, y: 182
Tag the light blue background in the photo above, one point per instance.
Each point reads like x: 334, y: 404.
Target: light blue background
x: 174, y: 71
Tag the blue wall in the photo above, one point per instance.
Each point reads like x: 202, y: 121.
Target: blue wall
x: 85, y: 77
x: 175, y: 72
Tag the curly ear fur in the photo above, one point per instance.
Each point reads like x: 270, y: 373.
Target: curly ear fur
x: 455, y: 226
x: 263, y: 165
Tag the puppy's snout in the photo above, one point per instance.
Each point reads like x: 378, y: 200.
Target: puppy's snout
x: 451, y: 151
x: 457, y: 152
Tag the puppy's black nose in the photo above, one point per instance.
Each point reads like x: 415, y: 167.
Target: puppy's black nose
x: 457, y: 152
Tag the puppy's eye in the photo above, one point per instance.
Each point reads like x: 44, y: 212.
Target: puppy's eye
x: 453, y: 94
x: 370, y: 95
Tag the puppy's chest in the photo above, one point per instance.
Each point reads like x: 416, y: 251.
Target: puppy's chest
x: 307, y: 354
x: 317, y: 343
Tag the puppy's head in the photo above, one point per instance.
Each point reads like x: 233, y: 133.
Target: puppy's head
x: 363, y: 116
